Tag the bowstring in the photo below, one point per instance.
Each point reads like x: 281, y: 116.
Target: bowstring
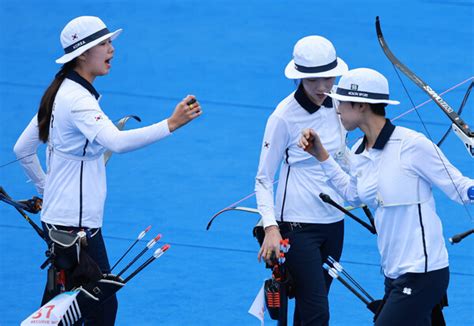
x: 18, y: 159
x: 350, y: 142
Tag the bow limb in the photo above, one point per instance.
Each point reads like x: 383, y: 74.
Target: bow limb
x: 460, y: 128
x: 250, y: 210
x: 232, y: 208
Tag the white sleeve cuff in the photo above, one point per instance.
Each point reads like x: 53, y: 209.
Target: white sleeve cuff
x: 268, y: 221
x: 163, y: 128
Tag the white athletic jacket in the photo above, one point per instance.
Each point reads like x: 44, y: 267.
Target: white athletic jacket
x: 79, y: 134
x: 395, y: 178
x: 301, y: 179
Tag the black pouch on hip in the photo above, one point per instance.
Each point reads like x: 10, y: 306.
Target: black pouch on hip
x: 68, y: 255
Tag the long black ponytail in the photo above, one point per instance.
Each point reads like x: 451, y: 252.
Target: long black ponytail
x: 46, y: 105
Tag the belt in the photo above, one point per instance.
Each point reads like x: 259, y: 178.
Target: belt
x: 90, y: 232
x: 293, y: 226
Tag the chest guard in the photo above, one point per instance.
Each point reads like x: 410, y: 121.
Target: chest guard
x: 401, y: 187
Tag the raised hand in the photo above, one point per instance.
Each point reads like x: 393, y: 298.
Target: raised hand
x: 311, y: 143
x: 186, y: 110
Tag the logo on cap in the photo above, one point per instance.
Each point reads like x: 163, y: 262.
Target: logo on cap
x: 74, y: 37
x: 354, y: 87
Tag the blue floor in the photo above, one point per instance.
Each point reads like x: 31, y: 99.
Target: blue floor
x: 231, y: 55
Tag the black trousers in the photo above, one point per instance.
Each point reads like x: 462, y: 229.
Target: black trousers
x: 311, y: 244
x: 411, y: 298
x: 106, y: 313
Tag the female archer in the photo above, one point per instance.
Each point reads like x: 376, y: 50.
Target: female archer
x: 393, y: 170
x: 315, y: 230
x: 77, y: 132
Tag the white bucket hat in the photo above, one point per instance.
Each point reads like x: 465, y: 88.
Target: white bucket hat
x: 363, y: 85
x: 314, y: 56
x: 81, y: 34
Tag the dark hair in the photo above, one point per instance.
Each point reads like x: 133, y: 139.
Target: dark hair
x: 46, y: 105
x: 377, y: 108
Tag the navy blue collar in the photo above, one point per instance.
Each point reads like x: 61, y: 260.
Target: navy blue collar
x: 382, y: 138
x: 74, y: 76
x: 306, y: 103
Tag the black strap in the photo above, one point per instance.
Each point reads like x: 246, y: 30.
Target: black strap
x: 363, y: 94
x: 86, y: 40
x: 316, y: 69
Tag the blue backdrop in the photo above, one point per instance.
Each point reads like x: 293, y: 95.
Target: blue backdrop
x: 231, y: 55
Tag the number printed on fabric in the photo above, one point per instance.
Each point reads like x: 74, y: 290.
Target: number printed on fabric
x: 47, y: 309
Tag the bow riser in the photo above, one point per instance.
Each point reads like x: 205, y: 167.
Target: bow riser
x: 468, y: 141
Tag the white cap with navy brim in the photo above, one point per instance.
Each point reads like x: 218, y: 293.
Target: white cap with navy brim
x: 81, y: 34
x: 363, y: 85
x: 314, y: 57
